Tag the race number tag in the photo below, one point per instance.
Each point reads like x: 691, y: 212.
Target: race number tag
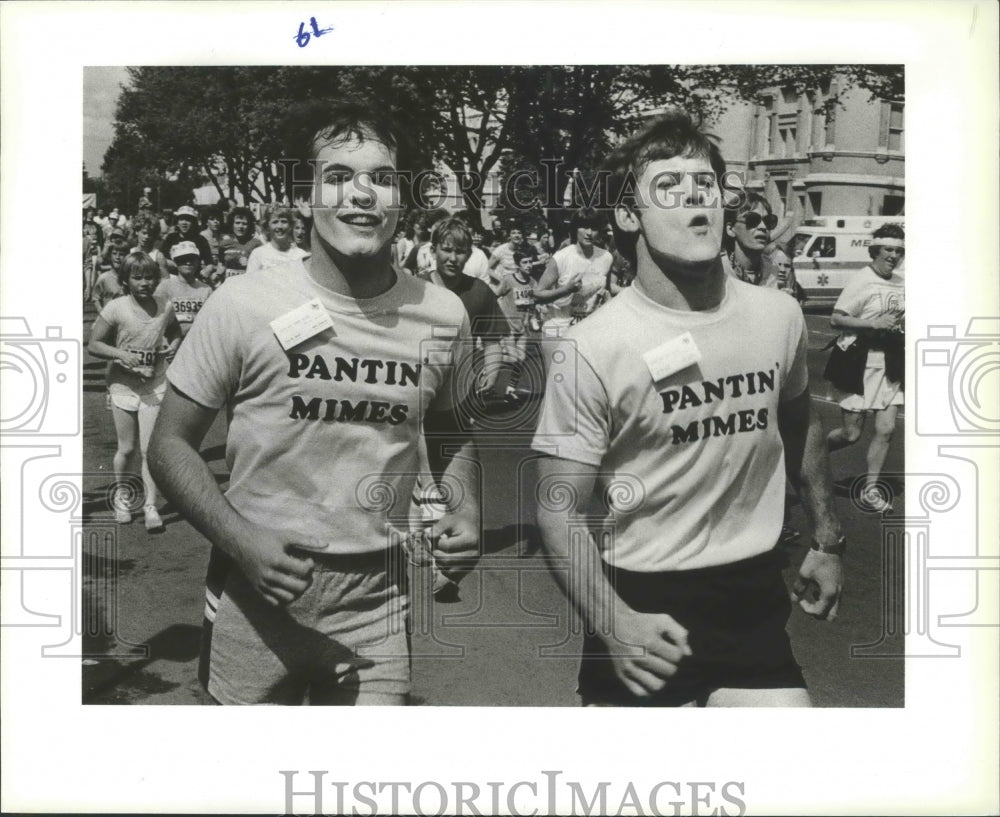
x: 301, y: 324
x: 670, y: 357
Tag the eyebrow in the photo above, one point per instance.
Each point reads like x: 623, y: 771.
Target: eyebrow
x: 338, y: 168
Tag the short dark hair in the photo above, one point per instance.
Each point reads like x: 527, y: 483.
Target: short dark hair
x: 322, y: 122
x: 748, y: 201
x: 885, y: 231
x: 244, y: 212
x: 586, y: 217
x: 674, y: 133
x: 520, y: 256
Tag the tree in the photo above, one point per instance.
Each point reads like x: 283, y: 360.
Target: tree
x: 229, y: 125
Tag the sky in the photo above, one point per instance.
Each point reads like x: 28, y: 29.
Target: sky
x: 101, y: 89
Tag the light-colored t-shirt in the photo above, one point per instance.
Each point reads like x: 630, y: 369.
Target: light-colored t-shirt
x: 868, y: 295
x: 593, y: 275
x: 137, y: 331
x: 269, y: 257
x: 323, y: 437
x: 187, y: 299
x: 106, y: 288
x: 478, y: 266
x: 692, y: 464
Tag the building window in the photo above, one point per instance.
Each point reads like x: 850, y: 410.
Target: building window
x: 892, y: 206
x: 896, y: 126
x: 815, y: 202
x: 890, y: 135
x: 788, y: 129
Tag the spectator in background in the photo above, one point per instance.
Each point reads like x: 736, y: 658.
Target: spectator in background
x: 101, y: 220
x: 116, y: 240
x: 748, y: 233
x: 147, y: 232
x: 145, y: 203
x: 301, y: 230
x: 187, y: 230
x: 91, y: 255
x: 421, y: 261
x: 107, y: 286
x: 213, y: 231
x: 237, y: 244
x: 404, y: 244
x: 167, y: 225
x: 280, y: 248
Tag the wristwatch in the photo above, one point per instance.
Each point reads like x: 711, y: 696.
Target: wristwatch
x: 837, y: 549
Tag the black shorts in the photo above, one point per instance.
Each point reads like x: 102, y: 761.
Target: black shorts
x: 735, y: 615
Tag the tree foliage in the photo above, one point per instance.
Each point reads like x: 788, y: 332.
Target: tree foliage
x: 227, y: 125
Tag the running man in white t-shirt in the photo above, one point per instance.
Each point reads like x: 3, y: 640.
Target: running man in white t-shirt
x: 330, y: 371
x: 670, y: 419
x: 574, y: 283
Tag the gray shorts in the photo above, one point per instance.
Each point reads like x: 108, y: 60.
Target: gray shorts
x: 345, y: 635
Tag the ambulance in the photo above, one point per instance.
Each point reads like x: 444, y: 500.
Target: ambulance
x: 828, y: 250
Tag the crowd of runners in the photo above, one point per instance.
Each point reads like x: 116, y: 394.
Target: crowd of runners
x: 343, y: 340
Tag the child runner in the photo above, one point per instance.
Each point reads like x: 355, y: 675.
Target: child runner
x: 280, y: 248
x: 683, y: 408
x: 521, y: 289
x: 186, y: 291
x: 108, y: 284
x: 137, y: 333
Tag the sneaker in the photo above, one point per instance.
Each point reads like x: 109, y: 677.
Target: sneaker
x: 123, y: 516
x: 153, y: 521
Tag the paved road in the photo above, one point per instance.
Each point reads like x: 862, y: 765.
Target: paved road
x: 509, y: 639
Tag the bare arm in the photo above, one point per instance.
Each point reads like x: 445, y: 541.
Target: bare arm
x: 492, y: 358
x: 662, y: 642
x: 101, y: 335
x: 265, y: 557
x: 548, y: 285
x: 454, y: 463
x: 841, y: 320
x: 808, y: 469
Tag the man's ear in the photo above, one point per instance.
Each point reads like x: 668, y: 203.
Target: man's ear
x: 730, y: 232
x: 626, y: 218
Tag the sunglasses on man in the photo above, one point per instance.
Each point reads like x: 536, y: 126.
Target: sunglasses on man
x: 752, y: 220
